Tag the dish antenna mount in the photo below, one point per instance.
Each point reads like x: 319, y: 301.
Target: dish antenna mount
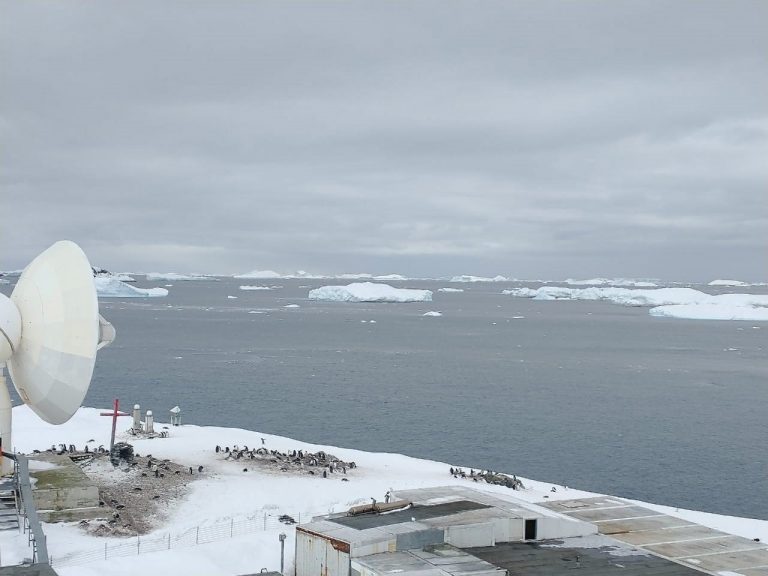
x: 50, y: 330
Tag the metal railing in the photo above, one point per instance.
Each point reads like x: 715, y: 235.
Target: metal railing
x: 31, y: 522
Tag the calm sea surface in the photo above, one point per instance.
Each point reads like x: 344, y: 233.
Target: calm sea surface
x: 588, y: 394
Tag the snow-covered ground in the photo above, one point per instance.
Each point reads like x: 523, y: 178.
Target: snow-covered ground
x: 369, y: 292
x: 114, y: 288
x: 224, y: 495
x: 671, y: 302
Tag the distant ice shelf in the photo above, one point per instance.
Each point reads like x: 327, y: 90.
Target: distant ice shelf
x: 369, y: 292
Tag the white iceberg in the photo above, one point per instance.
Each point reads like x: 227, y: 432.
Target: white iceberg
x: 107, y: 287
x: 247, y: 288
x: 432, y: 313
x: 467, y: 278
x: 173, y: 276
x: 360, y: 276
x: 450, y: 289
x: 672, y: 302
x: 260, y: 274
x: 728, y: 283
x: 390, y: 277
x: 611, y: 282
x: 291, y: 306
x: 369, y: 292
x: 232, y: 297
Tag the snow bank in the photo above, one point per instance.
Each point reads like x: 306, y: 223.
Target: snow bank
x: 611, y: 282
x: 450, y: 289
x: 369, y: 292
x: 466, y: 278
x: 172, y: 276
x: 113, y: 288
x: 670, y: 302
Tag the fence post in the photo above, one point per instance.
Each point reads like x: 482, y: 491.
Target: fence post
x: 265, y: 520
x: 169, y: 540
x: 197, y: 536
x: 231, y: 527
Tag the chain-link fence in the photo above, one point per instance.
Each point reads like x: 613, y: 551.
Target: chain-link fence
x: 259, y: 522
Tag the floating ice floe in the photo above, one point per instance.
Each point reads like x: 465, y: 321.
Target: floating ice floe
x: 291, y: 306
x: 174, y: 277
x: 432, y: 313
x: 369, y: 292
x: 466, y: 278
x: 450, y: 289
x: 670, y: 302
x: 253, y: 288
x: 232, y: 297
x: 113, y: 288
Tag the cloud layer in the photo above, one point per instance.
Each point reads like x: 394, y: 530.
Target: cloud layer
x: 526, y: 138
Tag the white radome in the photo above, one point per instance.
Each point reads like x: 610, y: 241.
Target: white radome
x: 51, y: 357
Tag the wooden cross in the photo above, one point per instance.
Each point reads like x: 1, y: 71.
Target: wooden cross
x: 115, y: 413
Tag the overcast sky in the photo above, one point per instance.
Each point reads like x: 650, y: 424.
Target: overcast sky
x: 534, y: 139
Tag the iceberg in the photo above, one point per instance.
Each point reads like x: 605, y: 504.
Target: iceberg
x: 450, y: 289
x: 107, y: 287
x: 390, y: 277
x: 172, y: 276
x: 467, y: 278
x: 728, y: 283
x: 432, y: 313
x: 611, y: 282
x: 369, y: 292
x: 257, y: 288
x: 260, y: 274
x: 670, y: 302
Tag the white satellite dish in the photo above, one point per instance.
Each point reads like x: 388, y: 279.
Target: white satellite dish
x: 50, y: 330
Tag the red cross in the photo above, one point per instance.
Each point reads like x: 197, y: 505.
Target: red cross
x: 115, y: 413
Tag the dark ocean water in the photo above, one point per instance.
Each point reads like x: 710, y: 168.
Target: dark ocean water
x: 588, y: 394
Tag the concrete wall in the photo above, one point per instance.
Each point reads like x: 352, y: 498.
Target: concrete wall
x: 66, y: 498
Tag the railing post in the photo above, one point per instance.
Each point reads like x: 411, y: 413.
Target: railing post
x: 197, y: 536
x: 169, y: 540
x: 231, y: 527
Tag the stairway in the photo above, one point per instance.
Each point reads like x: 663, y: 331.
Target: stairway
x: 9, y: 516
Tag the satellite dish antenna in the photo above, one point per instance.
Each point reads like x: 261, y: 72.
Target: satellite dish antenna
x: 50, y: 330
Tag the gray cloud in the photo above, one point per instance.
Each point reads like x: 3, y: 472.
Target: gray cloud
x: 534, y: 139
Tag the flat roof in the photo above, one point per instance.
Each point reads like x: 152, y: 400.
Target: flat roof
x: 414, y: 513
x: 669, y: 537
x: 437, y: 560
x: 551, y: 559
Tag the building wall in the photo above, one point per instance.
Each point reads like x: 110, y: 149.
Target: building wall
x: 319, y: 556
x: 552, y: 527
x: 470, y: 535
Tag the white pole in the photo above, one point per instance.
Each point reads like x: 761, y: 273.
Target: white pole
x: 6, y: 467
